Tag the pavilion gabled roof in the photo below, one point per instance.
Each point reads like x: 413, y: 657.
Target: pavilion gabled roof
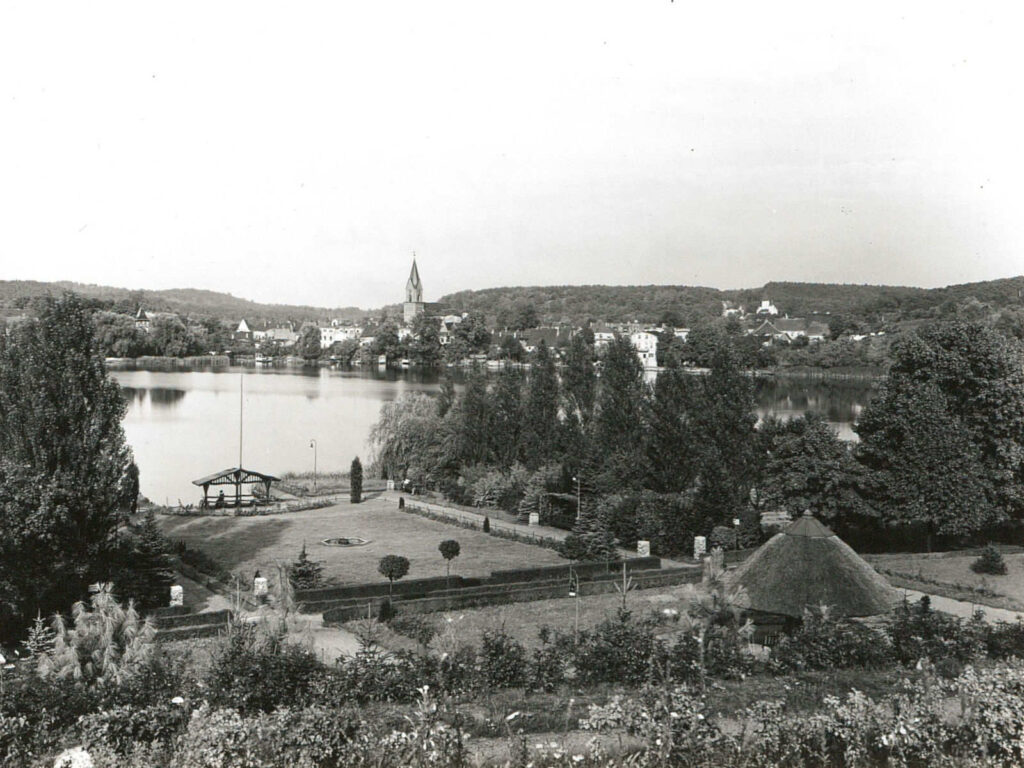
x: 234, y: 475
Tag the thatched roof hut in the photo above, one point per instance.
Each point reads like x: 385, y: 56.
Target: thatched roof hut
x: 807, y: 566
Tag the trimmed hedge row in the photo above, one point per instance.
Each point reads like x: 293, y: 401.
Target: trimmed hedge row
x: 379, y: 589
x: 515, y: 593
x: 583, y: 570
x: 193, y: 619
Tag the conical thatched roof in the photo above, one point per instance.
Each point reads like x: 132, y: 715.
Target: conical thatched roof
x: 806, y: 566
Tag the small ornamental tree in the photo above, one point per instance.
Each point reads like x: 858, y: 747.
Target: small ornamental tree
x: 356, y: 481
x: 449, y: 549
x: 991, y: 561
x: 150, y: 570
x: 305, y: 573
x: 41, y: 639
x: 392, y: 568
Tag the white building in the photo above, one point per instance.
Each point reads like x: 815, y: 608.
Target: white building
x: 767, y: 308
x: 334, y: 333
x: 646, y: 345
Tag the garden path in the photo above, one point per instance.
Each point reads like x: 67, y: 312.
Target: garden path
x: 964, y: 609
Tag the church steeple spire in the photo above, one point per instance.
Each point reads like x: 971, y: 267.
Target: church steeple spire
x: 414, y: 286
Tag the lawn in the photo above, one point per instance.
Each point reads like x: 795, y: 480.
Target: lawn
x: 952, y: 570
x: 243, y: 544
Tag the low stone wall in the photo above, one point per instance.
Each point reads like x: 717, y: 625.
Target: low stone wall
x: 512, y: 593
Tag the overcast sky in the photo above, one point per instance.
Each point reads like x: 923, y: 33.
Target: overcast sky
x: 299, y: 153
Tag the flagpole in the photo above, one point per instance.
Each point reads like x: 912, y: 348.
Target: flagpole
x: 240, y: 407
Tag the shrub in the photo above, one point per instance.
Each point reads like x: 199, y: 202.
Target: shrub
x: 487, y: 524
x: 1003, y: 640
x: 990, y: 561
x: 121, y: 728
x: 723, y: 537
x: 546, y: 671
x: 502, y: 660
x: 918, y: 632
x: 617, y: 650
x: 308, y: 737
x: 257, y: 673
x: 826, y: 643
x: 415, y: 626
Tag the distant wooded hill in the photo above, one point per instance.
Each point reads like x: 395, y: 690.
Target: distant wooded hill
x: 653, y: 303
x: 576, y: 304
x: 184, y: 301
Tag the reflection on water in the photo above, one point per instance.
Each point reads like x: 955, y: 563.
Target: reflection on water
x: 840, y: 402
x: 184, y: 424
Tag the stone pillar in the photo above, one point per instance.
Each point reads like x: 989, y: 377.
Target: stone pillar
x: 259, y: 586
x: 700, y: 547
x: 177, y: 596
x: 643, y: 548
x: 534, y: 518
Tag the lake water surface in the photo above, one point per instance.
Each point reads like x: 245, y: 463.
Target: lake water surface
x: 183, y: 425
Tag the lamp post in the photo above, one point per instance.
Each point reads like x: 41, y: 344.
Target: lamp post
x: 312, y: 444
x: 736, y: 528
x: 577, y: 481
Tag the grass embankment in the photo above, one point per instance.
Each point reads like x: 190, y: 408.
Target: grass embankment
x: 244, y: 544
x: 949, y: 574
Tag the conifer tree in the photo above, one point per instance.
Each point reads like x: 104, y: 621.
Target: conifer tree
x: 150, y: 571
x: 41, y: 639
x: 591, y: 537
x: 355, y: 478
x: 305, y: 573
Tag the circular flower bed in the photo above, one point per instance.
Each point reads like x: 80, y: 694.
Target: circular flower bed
x: 342, y: 541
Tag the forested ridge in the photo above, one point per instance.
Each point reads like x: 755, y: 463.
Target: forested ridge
x: 575, y: 304
x: 689, y: 305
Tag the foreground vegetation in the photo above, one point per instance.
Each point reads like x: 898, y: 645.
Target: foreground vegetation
x: 668, y: 690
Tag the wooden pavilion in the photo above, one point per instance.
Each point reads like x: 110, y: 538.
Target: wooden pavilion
x: 244, y: 482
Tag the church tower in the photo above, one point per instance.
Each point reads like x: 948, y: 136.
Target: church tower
x: 413, y: 294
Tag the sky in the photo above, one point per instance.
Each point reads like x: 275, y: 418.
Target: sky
x: 300, y: 152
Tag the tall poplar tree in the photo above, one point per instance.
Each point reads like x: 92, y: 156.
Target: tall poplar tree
x: 539, y: 440
x: 725, y: 421
x: 617, y: 451
x: 63, y: 463
x: 671, y: 443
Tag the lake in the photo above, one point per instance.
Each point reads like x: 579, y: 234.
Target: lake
x: 183, y: 425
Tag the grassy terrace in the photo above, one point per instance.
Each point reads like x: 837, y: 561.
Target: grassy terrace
x: 523, y: 620
x: 243, y: 544
x: 949, y: 573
